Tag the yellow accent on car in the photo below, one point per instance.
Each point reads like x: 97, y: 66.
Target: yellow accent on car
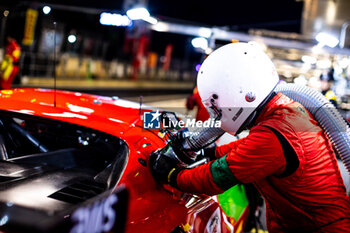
x: 186, y: 227
x: 7, y: 92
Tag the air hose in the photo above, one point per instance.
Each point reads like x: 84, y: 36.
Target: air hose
x: 189, y: 143
x: 203, y: 137
x: 326, y: 114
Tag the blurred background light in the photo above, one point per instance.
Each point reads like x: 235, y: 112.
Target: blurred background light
x: 200, y: 42
x: 327, y: 39
x: 317, y: 49
x: 4, y: 220
x: 324, y: 64
x: 314, y: 82
x: 309, y: 59
x: 204, y: 32
x: 114, y: 19
x: 198, y: 66
x: 72, y: 38
x: 46, y: 10
x: 344, y: 62
x: 6, y: 13
x: 151, y: 20
x: 208, y: 51
x: 161, y: 27
x: 300, y: 80
x: 138, y: 13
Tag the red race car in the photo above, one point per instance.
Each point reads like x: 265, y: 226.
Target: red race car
x: 78, y: 163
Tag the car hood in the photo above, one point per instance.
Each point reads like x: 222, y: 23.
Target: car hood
x: 93, y: 111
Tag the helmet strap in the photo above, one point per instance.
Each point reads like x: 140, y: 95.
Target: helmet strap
x: 249, y: 122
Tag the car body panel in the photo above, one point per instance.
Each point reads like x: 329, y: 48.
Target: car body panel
x: 152, y: 208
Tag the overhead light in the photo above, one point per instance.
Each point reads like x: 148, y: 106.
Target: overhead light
x: 327, y: 39
x: 46, y: 10
x: 72, y: 38
x: 204, y: 32
x: 138, y: 13
x: 161, y: 27
x: 115, y: 19
x: 200, y: 42
x: 151, y: 20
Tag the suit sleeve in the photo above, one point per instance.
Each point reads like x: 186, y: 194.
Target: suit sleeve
x: 225, y: 149
x: 249, y: 159
x: 198, y: 180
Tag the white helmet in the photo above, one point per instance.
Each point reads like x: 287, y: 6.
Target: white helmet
x: 234, y: 80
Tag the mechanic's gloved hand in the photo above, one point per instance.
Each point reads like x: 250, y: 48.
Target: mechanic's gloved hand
x: 164, y: 166
x: 209, y: 152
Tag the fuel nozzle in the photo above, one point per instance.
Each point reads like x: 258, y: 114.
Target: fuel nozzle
x: 188, y: 145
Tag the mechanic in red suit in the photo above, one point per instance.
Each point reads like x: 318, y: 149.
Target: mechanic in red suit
x: 286, y: 155
x: 195, y: 100
x: 9, y: 65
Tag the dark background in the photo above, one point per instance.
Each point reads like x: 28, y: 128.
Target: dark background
x: 236, y: 15
x: 280, y: 15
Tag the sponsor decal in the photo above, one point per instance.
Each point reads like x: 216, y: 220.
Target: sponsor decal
x: 250, y: 97
x: 97, y: 218
x: 237, y: 114
x: 214, y: 222
x: 29, y: 27
x: 152, y: 120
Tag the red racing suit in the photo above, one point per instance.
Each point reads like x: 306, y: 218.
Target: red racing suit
x: 304, y: 193
x: 9, y: 65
